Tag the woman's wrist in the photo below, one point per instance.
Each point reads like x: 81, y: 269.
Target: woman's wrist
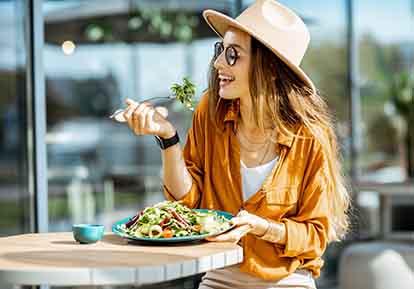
x: 276, y: 233
x: 261, y: 227
x: 168, y: 132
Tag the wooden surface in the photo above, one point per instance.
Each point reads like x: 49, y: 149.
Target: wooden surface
x: 56, y: 259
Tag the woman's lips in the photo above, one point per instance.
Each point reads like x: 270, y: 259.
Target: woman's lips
x: 225, y: 82
x: 225, y: 79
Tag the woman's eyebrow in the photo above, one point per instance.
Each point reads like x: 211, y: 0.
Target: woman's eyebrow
x: 236, y: 45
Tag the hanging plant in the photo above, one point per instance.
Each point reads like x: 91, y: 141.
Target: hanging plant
x: 165, y: 24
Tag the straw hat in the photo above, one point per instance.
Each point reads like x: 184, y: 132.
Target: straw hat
x: 274, y: 25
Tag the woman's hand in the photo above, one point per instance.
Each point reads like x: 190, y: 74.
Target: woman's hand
x: 144, y: 119
x: 232, y: 236
x: 245, y: 223
x: 258, y: 224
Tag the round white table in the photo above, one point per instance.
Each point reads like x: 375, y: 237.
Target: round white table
x: 56, y: 259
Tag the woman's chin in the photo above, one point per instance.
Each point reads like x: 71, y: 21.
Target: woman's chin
x: 226, y: 95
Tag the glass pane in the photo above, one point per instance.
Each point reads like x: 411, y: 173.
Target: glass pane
x: 386, y: 52
x: 326, y: 64
x: 15, y: 200
x: 96, y: 55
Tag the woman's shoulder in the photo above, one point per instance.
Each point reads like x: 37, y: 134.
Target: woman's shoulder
x: 202, y: 106
x: 314, y: 136
x: 201, y: 113
x: 311, y: 132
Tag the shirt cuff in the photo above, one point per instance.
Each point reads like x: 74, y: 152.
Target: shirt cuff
x: 295, y: 238
x: 275, y: 232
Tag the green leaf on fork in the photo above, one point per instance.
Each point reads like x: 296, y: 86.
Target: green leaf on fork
x: 184, y: 93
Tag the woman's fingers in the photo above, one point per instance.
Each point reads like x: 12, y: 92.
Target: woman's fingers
x: 242, y: 218
x: 132, y: 105
x: 227, y: 237
x: 129, y: 101
x: 242, y: 213
x: 238, y: 221
x: 149, y: 121
x: 232, y: 236
x: 138, y: 118
x: 163, y: 111
x: 128, y: 114
x: 143, y: 118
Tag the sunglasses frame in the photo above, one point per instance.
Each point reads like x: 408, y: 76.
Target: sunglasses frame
x: 229, y: 51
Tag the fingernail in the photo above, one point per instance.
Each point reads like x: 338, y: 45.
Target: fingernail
x: 129, y: 101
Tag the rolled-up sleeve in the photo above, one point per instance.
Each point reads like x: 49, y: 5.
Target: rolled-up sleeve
x: 307, y: 231
x: 192, y: 153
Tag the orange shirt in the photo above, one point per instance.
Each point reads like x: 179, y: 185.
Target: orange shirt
x: 294, y: 193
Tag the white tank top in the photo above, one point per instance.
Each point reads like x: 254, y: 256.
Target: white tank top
x: 253, y: 178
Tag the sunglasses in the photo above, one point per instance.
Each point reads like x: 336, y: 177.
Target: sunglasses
x: 230, y: 53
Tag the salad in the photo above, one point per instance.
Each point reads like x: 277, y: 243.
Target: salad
x: 172, y: 219
x: 184, y: 93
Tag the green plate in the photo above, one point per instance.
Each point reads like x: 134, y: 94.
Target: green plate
x: 116, y: 229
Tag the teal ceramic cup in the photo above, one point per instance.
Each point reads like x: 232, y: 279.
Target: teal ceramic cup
x: 88, y: 233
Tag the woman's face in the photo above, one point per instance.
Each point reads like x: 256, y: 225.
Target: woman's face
x: 234, y: 80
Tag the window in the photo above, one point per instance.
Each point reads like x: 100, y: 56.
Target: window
x: 15, y: 200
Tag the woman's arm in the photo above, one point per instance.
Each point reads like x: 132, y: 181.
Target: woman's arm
x: 184, y: 180
x: 268, y: 230
x: 144, y: 119
x: 176, y: 177
x: 307, y: 231
x: 183, y: 173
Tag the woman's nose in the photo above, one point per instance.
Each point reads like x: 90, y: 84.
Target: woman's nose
x: 219, y: 62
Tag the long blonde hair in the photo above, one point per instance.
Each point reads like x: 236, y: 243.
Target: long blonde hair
x: 290, y: 102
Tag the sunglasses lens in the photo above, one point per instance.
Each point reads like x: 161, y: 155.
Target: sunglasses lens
x: 218, y: 49
x: 231, y: 55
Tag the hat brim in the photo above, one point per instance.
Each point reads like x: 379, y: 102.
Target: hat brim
x: 220, y: 23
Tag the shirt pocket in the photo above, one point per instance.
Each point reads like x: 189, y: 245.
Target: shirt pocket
x: 282, y: 202
x: 282, y: 196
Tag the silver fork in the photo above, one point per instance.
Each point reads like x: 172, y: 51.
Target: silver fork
x: 118, y: 115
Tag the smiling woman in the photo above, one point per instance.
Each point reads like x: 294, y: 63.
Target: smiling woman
x: 260, y: 147
x: 261, y: 113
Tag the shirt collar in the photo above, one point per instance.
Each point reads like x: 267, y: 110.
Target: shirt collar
x: 232, y: 112
x: 285, y: 139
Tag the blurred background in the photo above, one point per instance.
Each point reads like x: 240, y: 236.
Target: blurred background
x: 65, y: 65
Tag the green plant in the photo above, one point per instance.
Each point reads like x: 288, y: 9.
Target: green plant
x: 402, y: 93
x: 402, y: 87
